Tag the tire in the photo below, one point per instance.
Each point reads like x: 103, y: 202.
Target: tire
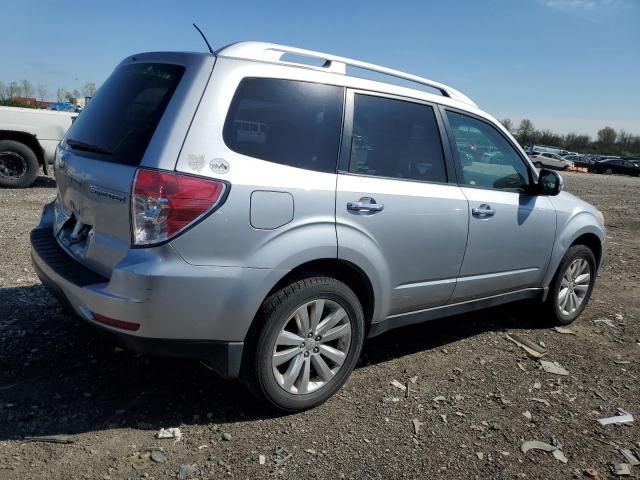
x: 554, y: 304
x: 267, y: 380
x: 608, y: 171
x: 19, y: 165
x: 537, y: 165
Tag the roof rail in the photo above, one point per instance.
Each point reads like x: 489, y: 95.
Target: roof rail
x: 271, y: 52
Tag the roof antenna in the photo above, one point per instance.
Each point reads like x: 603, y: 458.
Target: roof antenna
x: 204, y: 38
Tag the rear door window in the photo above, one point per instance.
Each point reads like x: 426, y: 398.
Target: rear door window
x: 288, y: 122
x: 396, y: 139
x: 120, y: 120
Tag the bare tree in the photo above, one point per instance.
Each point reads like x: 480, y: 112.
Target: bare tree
x: 61, y: 94
x: 3, y: 91
x: 507, y: 123
x: 14, y: 90
x: 624, y: 141
x: 547, y: 137
x: 27, y: 88
x: 89, y: 89
x: 42, y: 91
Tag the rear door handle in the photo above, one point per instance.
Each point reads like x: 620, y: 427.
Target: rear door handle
x: 483, y: 211
x: 365, y: 205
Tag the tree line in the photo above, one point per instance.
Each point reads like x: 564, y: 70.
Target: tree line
x: 24, y: 88
x: 607, y: 142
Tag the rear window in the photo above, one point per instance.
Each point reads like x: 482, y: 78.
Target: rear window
x: 287, y: 122
x: 118, y: 123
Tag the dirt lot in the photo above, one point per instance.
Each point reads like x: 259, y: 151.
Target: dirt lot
x: 474, y: 392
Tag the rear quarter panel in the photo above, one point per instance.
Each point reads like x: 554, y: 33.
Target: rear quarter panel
x: 227, y: 237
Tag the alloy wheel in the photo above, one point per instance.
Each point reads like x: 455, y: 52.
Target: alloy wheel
x: 574, y: 286
x: 311, y: 347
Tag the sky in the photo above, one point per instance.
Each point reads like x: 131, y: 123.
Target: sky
x: 568, y: 65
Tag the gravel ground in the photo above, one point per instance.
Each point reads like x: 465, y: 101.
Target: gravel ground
x: 474, y: 391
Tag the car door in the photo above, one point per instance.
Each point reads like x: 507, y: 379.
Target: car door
x: 628, y: 168
x: 511, y: 229
x: 397, y: 214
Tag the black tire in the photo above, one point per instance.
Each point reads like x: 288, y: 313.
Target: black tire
x: 19, y: 165
x: 608, y: 171
x: 537, y: 165
x: 275, y: 313
x: 552, y: 304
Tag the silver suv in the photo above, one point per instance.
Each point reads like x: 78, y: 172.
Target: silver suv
x: 264, y: 210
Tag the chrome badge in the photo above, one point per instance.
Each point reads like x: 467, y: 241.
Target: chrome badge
x: 102, y: 193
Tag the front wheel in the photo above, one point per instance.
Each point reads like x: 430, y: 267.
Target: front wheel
x: 572, y: 285
x: 310, y: 338
x: 608, y: 171
x: 537, y: 165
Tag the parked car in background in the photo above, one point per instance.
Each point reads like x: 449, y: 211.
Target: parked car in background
x: 28, y: 140
x: 206, y: 207
x: 550, y: 160
x: 544, y: 148
x: 64, y: 107
x: 616, y: 165
x: 578, y: 160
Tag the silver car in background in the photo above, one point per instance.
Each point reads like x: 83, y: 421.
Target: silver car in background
x: 266, y: 215
x: 550, y: 160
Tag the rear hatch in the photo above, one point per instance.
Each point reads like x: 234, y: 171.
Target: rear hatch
x: 139, y: 117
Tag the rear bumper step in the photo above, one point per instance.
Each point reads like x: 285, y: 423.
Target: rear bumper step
x: 44, y: 244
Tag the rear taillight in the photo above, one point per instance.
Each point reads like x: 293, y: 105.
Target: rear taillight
x: 165, y: 203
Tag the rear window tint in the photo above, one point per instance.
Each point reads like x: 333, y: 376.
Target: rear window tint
x: 397, y: 139
x: 287, y: 122
x: 119, y: 122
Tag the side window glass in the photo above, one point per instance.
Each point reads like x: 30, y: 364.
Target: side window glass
x: 488, y: 160
x: 395, y: 138
x: 285, y: 121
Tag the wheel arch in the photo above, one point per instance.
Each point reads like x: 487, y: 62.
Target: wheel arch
x: 350, y: 274
x: 29, y: 140
x: 582, y: 229
x: 591, y: 241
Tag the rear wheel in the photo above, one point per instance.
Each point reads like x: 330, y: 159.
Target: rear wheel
x: 572, y: 285
x: 608, y: 171
x: 18, y: 164
x: 538, y: 165
x: 309, y: 342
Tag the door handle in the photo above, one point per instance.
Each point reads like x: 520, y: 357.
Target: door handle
x: 483, y: 211
x: 365, y: 205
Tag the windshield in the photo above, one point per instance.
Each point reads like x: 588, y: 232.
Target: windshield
x: 118, y: 123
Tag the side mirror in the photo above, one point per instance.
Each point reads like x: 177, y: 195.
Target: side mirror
x: 550, y: 182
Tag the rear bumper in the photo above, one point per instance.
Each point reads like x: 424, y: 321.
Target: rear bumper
x: 64, y: 278
x: 183, y: 310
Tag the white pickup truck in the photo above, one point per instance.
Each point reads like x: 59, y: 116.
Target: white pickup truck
x: 28, y: 140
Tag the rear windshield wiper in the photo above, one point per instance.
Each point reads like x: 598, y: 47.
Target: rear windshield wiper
x: 88, y: 147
